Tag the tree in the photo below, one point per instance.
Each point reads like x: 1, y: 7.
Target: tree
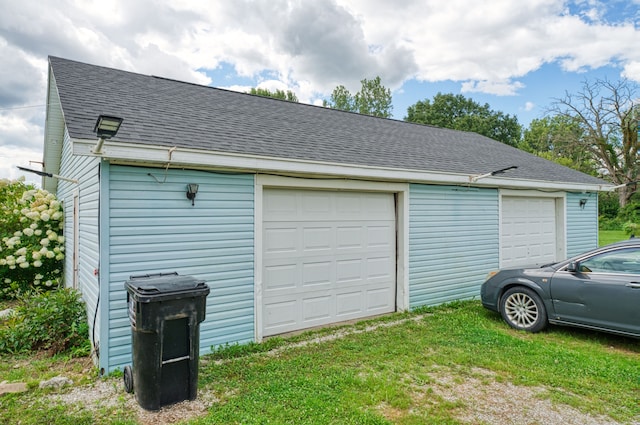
x: 607, y: 113
x: 460, y: 113
x: 554, y: 138
x: 278, y: 94
x: 372, y: 99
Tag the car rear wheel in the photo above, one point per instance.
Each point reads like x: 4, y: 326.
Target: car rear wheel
x: 523, y: 309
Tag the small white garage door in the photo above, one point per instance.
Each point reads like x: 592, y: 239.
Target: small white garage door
x: 327, y: 257
x: 528, y: 231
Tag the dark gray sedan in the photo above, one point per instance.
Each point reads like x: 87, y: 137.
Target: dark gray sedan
x: 598, y: 290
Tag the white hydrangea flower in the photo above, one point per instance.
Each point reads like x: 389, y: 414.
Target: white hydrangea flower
x: 45, y: 242
x: 24, y: 265
x: 44, y: 216
x: 28, y: 231
x: 37, y: 263
x: 37, y: 232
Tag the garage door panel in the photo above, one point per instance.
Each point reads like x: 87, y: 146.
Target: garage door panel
x: 350, y: 237
x: 380, y: 268
x: 337, y: 261
x: 280, y: 276
x: 317, y: 273
x: 280, y: 239
x: 317, y: 238
x: 316, y: 308
x: 378, y: 299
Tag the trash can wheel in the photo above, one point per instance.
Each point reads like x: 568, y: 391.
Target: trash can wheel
x: 128, y: 379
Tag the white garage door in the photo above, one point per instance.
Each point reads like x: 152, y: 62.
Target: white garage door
x: 327, y: 257
x: 528, y: 231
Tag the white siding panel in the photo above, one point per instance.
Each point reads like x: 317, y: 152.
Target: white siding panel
x: 155, y: 229
x: 453, y: 242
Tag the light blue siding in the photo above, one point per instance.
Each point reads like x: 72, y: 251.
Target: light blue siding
x: 153, y: 228
x: 582, y: 223
x: 453, y: 242
x: 86, y: 171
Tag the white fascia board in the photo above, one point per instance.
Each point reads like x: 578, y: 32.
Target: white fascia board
x: 160, y: 156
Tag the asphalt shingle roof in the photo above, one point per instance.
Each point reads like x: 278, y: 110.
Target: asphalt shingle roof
x: 163, y: 112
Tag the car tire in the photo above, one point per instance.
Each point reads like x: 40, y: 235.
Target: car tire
x: 523, y: 309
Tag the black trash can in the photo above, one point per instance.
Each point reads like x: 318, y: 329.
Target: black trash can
x: 165, y: 311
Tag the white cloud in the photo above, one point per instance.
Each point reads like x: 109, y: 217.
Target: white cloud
x: 10, y: 157
x: 632, y: 71
x: 499, y: 88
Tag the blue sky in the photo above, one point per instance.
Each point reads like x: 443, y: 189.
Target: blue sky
x: 514, y: 55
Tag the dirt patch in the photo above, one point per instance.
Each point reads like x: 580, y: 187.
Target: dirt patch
x: 110, y: 394
x: 485, y: 400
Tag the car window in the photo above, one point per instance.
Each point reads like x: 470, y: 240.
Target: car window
x: 623, y: 261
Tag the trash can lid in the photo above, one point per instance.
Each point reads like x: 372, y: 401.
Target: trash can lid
x: 165, y: 285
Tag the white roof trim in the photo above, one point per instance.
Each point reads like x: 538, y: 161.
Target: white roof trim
x: 194, y: 158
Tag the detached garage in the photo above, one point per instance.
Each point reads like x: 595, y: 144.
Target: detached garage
x: 303, y: 216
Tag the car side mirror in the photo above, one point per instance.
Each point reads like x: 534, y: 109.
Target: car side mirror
x: 573, y: 267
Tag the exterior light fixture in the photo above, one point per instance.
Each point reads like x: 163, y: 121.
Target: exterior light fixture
x: 106, y: 127
x: 583, y: 202
x: 192, y: 189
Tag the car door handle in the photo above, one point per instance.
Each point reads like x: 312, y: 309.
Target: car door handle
x: 633, y: 285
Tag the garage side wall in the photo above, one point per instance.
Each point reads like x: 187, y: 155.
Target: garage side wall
x: 453, y: 242
x: 153, y: 228
x: 86, y: 195
x: 582, y: 223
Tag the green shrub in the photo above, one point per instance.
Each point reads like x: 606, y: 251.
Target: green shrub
x: 630, y: 228
x: 605, y: 223
x: 31, y: 241
x: 52, y: 321
x: 608, y: 205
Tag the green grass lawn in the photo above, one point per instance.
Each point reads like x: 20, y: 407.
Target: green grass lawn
x: 399, y: 371
x: 605, y: 237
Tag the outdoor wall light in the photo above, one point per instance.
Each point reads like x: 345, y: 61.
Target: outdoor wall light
x: 106, y: 127
x: 583, y: 202
x: 192, y: 189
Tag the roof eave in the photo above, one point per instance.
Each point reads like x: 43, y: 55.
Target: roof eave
x: 161, y: 156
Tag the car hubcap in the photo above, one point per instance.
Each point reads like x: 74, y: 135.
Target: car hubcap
x: 521, y: 310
